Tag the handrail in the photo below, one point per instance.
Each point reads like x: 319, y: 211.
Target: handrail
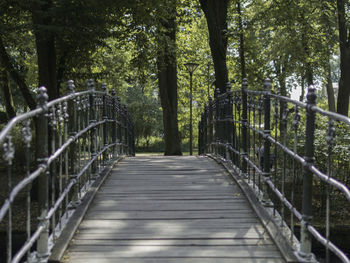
x: 260, y: 134
x: 72, y: 138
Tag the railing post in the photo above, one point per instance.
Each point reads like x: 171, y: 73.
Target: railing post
x: 72, y: 124
x: 217, y: 120
x: 229, y: 118
x: 119, y: 135
x: 114, y: 125
x: 104, y: 118
x: 43, y: 188
x: 205, y: 129
x: 125, y: 118
x: 92, y: 120
x: 244, y: 142
x: 267, y: 118
x: 305, y: 236
x: 210, y: 123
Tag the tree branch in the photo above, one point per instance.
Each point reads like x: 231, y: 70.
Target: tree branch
x: 11, y: 69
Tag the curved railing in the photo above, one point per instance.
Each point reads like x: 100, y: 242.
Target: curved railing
x: 60, y: 148
x: 294, y: 155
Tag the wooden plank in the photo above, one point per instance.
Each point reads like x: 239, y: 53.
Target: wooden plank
x: 93, y: 258
x: 174, y: 242
x: 223, y: 223
x: 248, y: 251
x: 176, y: 209
x: 93, y: 214
x: 173, y: 234
x: 193, y: 206
x: 168, y: 228
x: 160, y: 183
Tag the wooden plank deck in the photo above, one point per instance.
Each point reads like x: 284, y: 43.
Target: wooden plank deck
x: 170, y: 209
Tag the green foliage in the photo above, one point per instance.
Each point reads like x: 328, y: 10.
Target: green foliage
x: 146, y: 114
x: 117, y: 42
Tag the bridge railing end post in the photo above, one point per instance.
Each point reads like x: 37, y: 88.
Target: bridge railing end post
x: 305, y: 235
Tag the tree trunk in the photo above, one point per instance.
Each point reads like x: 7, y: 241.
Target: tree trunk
x: 216, y: 15
x: 4, y: 83
x: 344, y: 43
x: 241, y: 40
x: 167, y: 79
x: 45, y: 47
x: 14, y: 74
x: 330, y: 90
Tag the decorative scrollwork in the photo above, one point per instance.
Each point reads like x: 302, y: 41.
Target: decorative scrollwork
x: 78, y: 103
x: 296, y: 118
x: 285, y: 114
x: 59, y: 113
x: 70, y: 87
x: 42, y: 97
x: 331, y: 133
x: 27, y: 133
x: 65, y: 111
x: 9, y: 150
x: 52, y: 118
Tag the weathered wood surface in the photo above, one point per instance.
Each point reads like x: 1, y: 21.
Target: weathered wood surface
x: 170, y: 209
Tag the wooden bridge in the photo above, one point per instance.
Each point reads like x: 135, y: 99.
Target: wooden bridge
x: 171, y: 209
x: 263, y: 172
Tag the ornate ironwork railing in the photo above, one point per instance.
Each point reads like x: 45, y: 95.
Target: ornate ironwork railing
x: 51, y: 156
x: 289, y: 153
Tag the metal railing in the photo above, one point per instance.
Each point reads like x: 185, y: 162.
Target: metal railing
x: 51, y: 156
x: 289, y: 153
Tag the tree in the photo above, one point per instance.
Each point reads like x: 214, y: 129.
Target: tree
x: 344, y: 45
x: 216, y: 15
x: 42, y: 18
x: 14, y: 40
x: 167, y: 79
x: 7, y: 95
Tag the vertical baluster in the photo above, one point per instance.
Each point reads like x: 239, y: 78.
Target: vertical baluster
x: 53, y: 128
x: 228, y: 117
x: 254, y: 137
x: 100, y: 128
x: 114, y: 123
x: 119, y: 135
x: 9, y: 153
x: 275, y: 147
x: 84, y: 138
x: 205, y: 127
x: 244, y: 125
x: 125, y: 132
x: 330, y: 139
x: 284, y: 161
x: 66, y: 164
x: 260, y: 151
x: 60, y: 120
x: 73, y: 127
x: 211, y: 123
x: 216, y: 107
x: 78, y: 149
x: 27, y: 138
x: 236, y: 138
x: 266, y: 169
x: 296, y: 121
x: 240, y: 146
x: 104, y: 118
x: 249, y: 106
x: 92, y: 121
x: 43, y: 193
x: 305, y: 236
